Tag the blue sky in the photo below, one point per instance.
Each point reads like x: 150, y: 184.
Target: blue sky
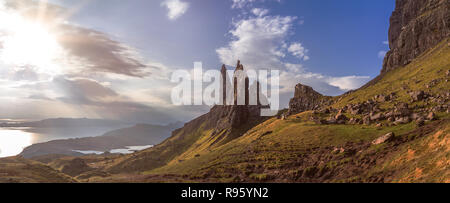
x: 333, y: 46
x: 343, y: 37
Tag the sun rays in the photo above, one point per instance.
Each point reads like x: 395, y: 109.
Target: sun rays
x: 29, y: 38
x: 30, y: 44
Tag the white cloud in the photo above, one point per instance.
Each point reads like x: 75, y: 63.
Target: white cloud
x: 260, y: 12
x: 297, y: 50
x: 246, y: 3
x: 258, y: 41
x: 386, y: 42
x: 327, y: 85
x: 295, y: 68
x: 262, y: 42
x: 176, y: 8
x: 348, y: 82
x: 241, y: 3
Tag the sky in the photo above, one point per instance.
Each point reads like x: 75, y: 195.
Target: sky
x: 113, y: 59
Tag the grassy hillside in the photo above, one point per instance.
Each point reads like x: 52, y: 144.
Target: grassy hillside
x: 20, y: 170
x: 202, y: 135
x: 293, y: 149
x: 418, y: 75
x: 301, y: 150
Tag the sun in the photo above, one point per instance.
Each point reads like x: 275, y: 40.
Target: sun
x: 28, y: 43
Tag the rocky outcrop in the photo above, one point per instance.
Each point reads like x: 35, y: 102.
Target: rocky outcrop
x: 305, y: 99
x: 416, y: 26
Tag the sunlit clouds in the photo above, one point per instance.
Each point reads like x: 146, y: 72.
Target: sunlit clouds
x: 114, y: 59
x: 28, y: 43
x: 60, y: 47
x: 52, y: 67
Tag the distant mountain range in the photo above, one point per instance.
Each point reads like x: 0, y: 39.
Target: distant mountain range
x: 66, y: 122
x: 138, y: 135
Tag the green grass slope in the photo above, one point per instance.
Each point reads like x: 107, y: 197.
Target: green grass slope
x: 299, y: 150
x: 202, y: 135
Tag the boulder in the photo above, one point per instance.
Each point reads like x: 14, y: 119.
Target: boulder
x: 356, y: 110
x: 402, y: 109
x: 332, y: 121
x: 389, y: 114
x: 354, y: 121
x: 431, y: 116
x: 382, y: 98
x: 341, y: 117
x: 376, y: 117
x: 420, y: 122
x: 391, y: 119
x: 402, y: 120
x: 366, y: 120
x: 418, y: 95
x: 383, y: 139
x: 326, y: 111
x: 415, y: 116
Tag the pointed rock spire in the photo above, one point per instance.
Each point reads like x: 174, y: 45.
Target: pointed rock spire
x: 224, y: 69
x: 239, y: 66
x: 223, y: 72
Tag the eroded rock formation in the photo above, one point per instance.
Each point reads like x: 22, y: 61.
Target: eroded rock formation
x: 416, y: 26
x: 230, y: 120
x: 305, y: 99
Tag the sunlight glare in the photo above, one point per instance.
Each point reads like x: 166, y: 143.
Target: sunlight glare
x: 27, y: 43
x: 12, y: 142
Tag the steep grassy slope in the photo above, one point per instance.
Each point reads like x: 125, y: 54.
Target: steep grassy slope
x: 426, y: 159
x: 429, y: 67
x: 214, y: 129
x: 299, y: 150
x: 20, y: 170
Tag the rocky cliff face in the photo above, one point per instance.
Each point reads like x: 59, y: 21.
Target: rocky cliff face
x: 305, y: 99
x: 416, y: 26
